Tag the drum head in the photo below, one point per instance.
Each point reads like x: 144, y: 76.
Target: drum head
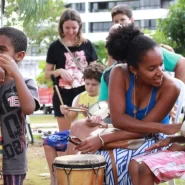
x: 80, y: 161
x: 100, y: 108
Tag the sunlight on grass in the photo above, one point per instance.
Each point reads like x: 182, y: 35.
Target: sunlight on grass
x: 35, y: 119
x: 177, y: 181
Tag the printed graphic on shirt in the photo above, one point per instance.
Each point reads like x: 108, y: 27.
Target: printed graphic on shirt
x: 75, y: 69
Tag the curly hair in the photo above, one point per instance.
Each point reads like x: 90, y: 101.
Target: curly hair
x: 122, y: 9
x: 73, y: 15
x: 128, y: 44
x: 17, y: 37
x: 94, y: 71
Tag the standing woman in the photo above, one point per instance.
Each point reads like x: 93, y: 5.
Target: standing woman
x: 67, y: 57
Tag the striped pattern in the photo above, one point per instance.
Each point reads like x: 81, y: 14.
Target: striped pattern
x: 122, y: 159
x: 14, y: 179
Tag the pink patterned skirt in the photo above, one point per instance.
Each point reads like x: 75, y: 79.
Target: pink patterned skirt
x: 165, y: 165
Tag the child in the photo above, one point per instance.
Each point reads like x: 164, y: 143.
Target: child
x: 92, y: 76
x: 19, y: 98
x: 161, y: 166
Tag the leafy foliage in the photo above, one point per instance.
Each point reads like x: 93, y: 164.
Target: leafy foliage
x: 101, y: 52
x: 39, y: 18
x: 41, y: 77
x: 172, y: 28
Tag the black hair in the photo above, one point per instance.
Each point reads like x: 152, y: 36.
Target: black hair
x: 122, y: 9
x: 128, y: 44
x: 94, y: 71
x: 17, y: 37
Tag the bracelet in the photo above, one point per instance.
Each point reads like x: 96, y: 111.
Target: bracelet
x: 102, y: 141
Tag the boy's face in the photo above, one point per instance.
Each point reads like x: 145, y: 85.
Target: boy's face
x: 7, y: 48
x: 92, y: 87
x: 122, y: 19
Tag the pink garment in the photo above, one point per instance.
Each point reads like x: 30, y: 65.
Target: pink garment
x: 165, y: 165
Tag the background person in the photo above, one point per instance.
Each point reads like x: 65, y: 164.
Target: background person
x: 19, y: 97
x: 123, y: 15
x: 138, y: 98
x: 92, y: 75
x: 61, y: 64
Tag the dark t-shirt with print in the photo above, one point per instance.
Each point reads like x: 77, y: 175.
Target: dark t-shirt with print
x: 12, y: 121
x: 59, y: 56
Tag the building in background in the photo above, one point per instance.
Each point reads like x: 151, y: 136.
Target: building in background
x: 97, y: 20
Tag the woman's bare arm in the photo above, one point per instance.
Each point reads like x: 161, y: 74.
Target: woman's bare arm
x: 117, y: 101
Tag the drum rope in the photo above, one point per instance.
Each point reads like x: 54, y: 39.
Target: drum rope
x: 53, y: 174
x: 96, y: 173
x: 68, y: 173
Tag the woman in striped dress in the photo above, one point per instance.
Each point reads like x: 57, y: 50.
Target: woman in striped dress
x: 139, y: 100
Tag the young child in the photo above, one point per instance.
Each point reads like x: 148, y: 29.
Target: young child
x: 92, y: 76
x: 19, y: 98
x: 161, y: 166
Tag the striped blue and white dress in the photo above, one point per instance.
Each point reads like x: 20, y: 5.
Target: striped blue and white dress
x: 124, y: 156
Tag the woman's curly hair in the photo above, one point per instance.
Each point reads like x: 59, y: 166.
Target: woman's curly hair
x: 94, y: 71
x: 128, y: 44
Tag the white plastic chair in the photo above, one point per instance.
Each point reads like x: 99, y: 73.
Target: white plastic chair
x: 181, y: 101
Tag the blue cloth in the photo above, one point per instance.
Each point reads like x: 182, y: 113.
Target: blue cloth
x: 141, y: 112
x: 58, y: 140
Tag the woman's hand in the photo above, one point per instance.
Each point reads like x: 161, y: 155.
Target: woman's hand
x: 94, y: 121
x: 170, y: 129
x: 90, y: 144
x: 65, y: 75
x: 159, y: 144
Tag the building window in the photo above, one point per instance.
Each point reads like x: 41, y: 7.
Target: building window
x: 99, y: 26
x: 148, y: 24
x: 80, y: 7
x: 83, y: 27
x: 146, y: 4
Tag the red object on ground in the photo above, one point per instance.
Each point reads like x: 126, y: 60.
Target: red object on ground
x: 45, y: 98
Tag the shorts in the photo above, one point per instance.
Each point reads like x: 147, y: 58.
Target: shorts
x: 67, y: 96
x: 59, y: 140
x: 14, y: 179
x: 165, y: 165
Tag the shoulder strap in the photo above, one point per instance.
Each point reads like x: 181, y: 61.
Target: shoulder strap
x: 72, y: 56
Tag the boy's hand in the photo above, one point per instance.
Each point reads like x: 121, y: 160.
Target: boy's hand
x: 159, y: 144
x: 9, y: 65
x: 2, y: 74
x: 94, y: 121
x: 64, y: 109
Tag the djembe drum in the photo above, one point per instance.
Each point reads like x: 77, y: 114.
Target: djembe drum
x: 84, y: 169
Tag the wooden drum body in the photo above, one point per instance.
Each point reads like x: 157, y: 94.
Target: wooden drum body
x: 79, y: 169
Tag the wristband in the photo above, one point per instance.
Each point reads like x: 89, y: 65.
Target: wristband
x: 102, y: 141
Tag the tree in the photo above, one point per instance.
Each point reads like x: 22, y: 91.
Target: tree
x: 101, y: 52
x: 37, y: 18
x: 172, y: 28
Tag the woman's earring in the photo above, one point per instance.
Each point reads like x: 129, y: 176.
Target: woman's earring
x: 135, y: 75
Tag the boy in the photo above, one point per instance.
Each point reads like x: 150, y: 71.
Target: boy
x: 19, y: 98
x: 122, y: 15
x: 92, y: 75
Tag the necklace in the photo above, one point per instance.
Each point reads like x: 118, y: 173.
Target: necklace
x: 135, y: 110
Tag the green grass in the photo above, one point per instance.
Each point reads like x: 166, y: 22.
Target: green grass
x: 177, y: 181
x: 34, y: 119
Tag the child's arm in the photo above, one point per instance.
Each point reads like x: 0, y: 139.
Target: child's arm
x: 70, y: 115
x: 27, y: 102
x: 167, y: 141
